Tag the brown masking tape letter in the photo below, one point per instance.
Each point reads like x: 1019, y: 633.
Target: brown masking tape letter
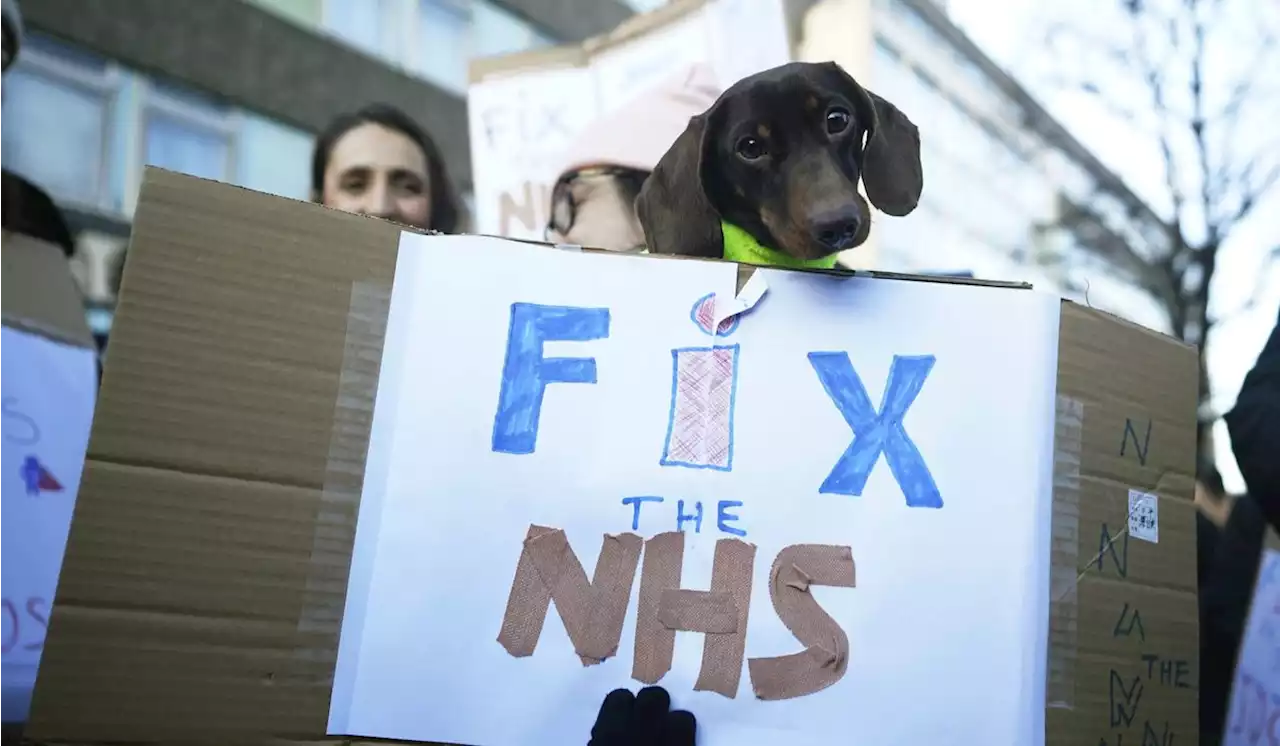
x: 592, y: 611
x: 720, y: 613
x: 655, y: 643
x: 722, y: 654
x: 826, y: 655
x: 698, y: 611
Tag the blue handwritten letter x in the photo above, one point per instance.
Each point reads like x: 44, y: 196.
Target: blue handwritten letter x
x: 876, y: 432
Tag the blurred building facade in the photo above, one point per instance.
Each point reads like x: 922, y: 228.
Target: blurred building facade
x: 999, y: 170
x: 236, y: 90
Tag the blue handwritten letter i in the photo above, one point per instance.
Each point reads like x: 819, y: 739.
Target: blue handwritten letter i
x: 526, y: 373
x: 876, y: 432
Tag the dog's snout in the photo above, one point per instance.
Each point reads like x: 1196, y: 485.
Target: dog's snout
x: 837, y: 231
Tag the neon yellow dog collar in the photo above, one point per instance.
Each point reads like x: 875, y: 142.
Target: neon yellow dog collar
x: 741, y: 247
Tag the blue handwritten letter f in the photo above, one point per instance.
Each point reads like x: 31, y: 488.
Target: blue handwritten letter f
x: 876, y: 432
x: 526, y: 373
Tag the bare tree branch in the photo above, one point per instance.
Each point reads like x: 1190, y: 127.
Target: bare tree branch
x: 1242, y: 89
x: 1213, y: 229
x: 1260, y: 286
x: 1151, y: 75
x: 1200, y: 110
x: 1251, y: 195
x: 1091, y: 233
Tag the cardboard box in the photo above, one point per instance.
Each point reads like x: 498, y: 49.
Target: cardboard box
x: 203, y: 587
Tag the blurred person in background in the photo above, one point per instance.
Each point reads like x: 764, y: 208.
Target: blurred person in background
x: 29, y: 211
x: 377, y: 161
x: 1226, y: 593
x: 593, y: 200
x: 1227, y: 584
x: 1254, y: 426
x: 12, y: 36
x: 1211, y: 498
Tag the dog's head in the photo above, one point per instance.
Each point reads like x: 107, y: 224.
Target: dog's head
x: 780, y: 155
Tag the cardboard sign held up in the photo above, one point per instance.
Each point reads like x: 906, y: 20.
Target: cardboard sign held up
x: 206, y: 576
x: 527, y: 111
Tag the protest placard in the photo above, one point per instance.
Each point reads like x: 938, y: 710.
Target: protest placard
x: 526, y: 111
x: 798, y: 493
x: 204, y: 593
x: 50, y: 381
x: 1253, y: 717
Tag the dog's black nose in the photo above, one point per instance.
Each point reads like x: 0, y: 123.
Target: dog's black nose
x: 837, y: 231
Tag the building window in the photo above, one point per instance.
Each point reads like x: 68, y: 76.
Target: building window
x: 186, y: 132
x: 450, y: 33
x: 644, y: 6
x: 496, y: 31
x: 444, y: 42
x: 57, y: 116
x: 364, y: 24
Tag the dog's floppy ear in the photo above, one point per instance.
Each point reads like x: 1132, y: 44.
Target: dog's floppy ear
x: 891, y: 169
x: 673, y: 208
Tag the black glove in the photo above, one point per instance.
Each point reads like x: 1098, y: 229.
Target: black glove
x: 643, y: 719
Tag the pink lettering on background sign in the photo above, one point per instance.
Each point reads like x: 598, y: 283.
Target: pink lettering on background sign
x: 25, y: 622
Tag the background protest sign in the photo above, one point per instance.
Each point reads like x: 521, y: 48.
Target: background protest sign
x: 1254, y: 714
x: 566, y: 467
x: 49, y: 390
x: 527, y: 110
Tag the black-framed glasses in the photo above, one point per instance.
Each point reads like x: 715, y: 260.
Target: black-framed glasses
x: 564, y: 208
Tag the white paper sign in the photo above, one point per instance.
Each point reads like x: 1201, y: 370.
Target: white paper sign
x: 523, y: 123
x: 1254, y: 714
x: 1144, y: 516
x: 584, y: 392
x: 48, y: 391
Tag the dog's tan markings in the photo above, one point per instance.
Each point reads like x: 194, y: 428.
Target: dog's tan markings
x: 737, y: 188
x: 763, y: 130
x: 789, y: 239
x: 811, y: 103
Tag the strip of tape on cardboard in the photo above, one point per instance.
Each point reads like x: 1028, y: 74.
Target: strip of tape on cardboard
x: 329, y: 568
x: 1064, y: 553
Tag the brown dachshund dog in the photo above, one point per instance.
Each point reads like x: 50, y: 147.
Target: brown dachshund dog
x: 778, y: 156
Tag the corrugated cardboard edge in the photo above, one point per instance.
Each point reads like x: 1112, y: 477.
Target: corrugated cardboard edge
x: 1123, y: 646
x: 40, y: 295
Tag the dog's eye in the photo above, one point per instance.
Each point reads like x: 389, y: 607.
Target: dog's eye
x: 837, y: 121
x: 750, y: 148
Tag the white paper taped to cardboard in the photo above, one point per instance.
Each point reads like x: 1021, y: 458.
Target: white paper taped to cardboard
x: 460, y: 488
x: 750, y: 294
x: 1144, y: 516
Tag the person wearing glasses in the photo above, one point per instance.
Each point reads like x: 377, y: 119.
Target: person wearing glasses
x: 592, y: 202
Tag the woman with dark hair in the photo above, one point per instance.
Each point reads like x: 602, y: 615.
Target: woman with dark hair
x: 377, y: 161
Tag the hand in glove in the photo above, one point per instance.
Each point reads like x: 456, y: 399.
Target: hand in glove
x: 643, y: 719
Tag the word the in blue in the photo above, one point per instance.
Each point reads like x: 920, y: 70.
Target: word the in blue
x: 689, y: 513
